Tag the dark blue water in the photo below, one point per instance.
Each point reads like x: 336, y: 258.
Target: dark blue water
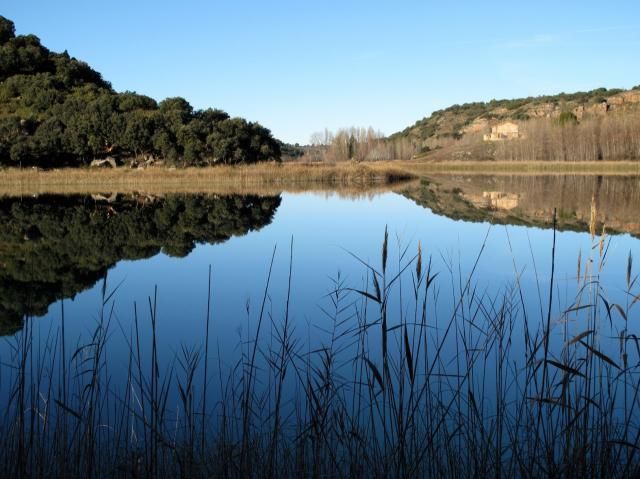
x: 327, y: 231
x: 157, y: 255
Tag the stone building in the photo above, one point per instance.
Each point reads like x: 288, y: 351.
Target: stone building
x: 503, y: 131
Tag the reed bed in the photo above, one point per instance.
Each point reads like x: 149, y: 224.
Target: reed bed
x: 394, y: 387
x: 274, y: 178
x: 352, y: 191
x: 265, y: 178
x: 496, y: 167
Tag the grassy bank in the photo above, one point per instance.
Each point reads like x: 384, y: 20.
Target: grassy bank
x: 397, y: 387
x: 264, y: 178
x: 423, y: 166
x: 273, y: 178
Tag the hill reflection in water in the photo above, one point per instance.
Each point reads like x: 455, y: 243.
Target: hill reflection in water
x: 531, y: 200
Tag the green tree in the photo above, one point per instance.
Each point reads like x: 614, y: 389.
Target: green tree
x: 7, y: 30
x: 55, y: 109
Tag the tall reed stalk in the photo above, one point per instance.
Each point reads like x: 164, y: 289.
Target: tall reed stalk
x: 406, y: 375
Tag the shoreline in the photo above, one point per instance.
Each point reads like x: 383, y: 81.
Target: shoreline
x: 261, y: 179
x: 269, y: 178
x: 491, y: 167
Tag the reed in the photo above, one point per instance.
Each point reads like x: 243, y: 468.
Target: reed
x: 420, y: 373
x: 220, y: 179
x: 274, y: 178
x: 504, y: 167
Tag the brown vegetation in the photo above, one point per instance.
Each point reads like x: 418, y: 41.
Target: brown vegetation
x: 491, y: 167
x: 531, y: 199
x: 596, y: 138
x: 272, y: 178
x: 460, y: 120
x: 591, y: 135
x: 360, y: 144
x: 264, y: 178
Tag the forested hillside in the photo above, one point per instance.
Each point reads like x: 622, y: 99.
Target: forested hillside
x: 57, y: 111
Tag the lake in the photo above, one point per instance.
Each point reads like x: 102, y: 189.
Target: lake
x: 126, y: 283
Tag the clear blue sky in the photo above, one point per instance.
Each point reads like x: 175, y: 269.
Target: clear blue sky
x: 300, y: 66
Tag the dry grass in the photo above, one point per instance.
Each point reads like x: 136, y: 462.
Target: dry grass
x: 266, y: 178
x: 274, y: 178
x: 423, y: 166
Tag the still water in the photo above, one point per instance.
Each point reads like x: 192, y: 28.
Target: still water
x: 55, y: 248
x: 63, y: 255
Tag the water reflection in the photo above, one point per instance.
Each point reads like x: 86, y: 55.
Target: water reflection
x: 478, y: 336
x: 53, y: 247
x: 530, y: 200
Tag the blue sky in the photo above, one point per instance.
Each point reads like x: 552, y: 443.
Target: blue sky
x: 300, y: 66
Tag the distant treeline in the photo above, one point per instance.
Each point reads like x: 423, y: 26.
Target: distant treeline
x: 56, y: 110
x: 358, y: 144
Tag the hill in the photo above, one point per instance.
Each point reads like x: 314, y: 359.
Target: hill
x: 594, y: 125
x: 56, y: 110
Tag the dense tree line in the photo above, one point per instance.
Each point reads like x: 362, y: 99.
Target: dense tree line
x: 56, y: 110
x: 57, y: 246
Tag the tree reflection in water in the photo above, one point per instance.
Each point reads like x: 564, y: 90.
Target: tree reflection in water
x: 53, y: 247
